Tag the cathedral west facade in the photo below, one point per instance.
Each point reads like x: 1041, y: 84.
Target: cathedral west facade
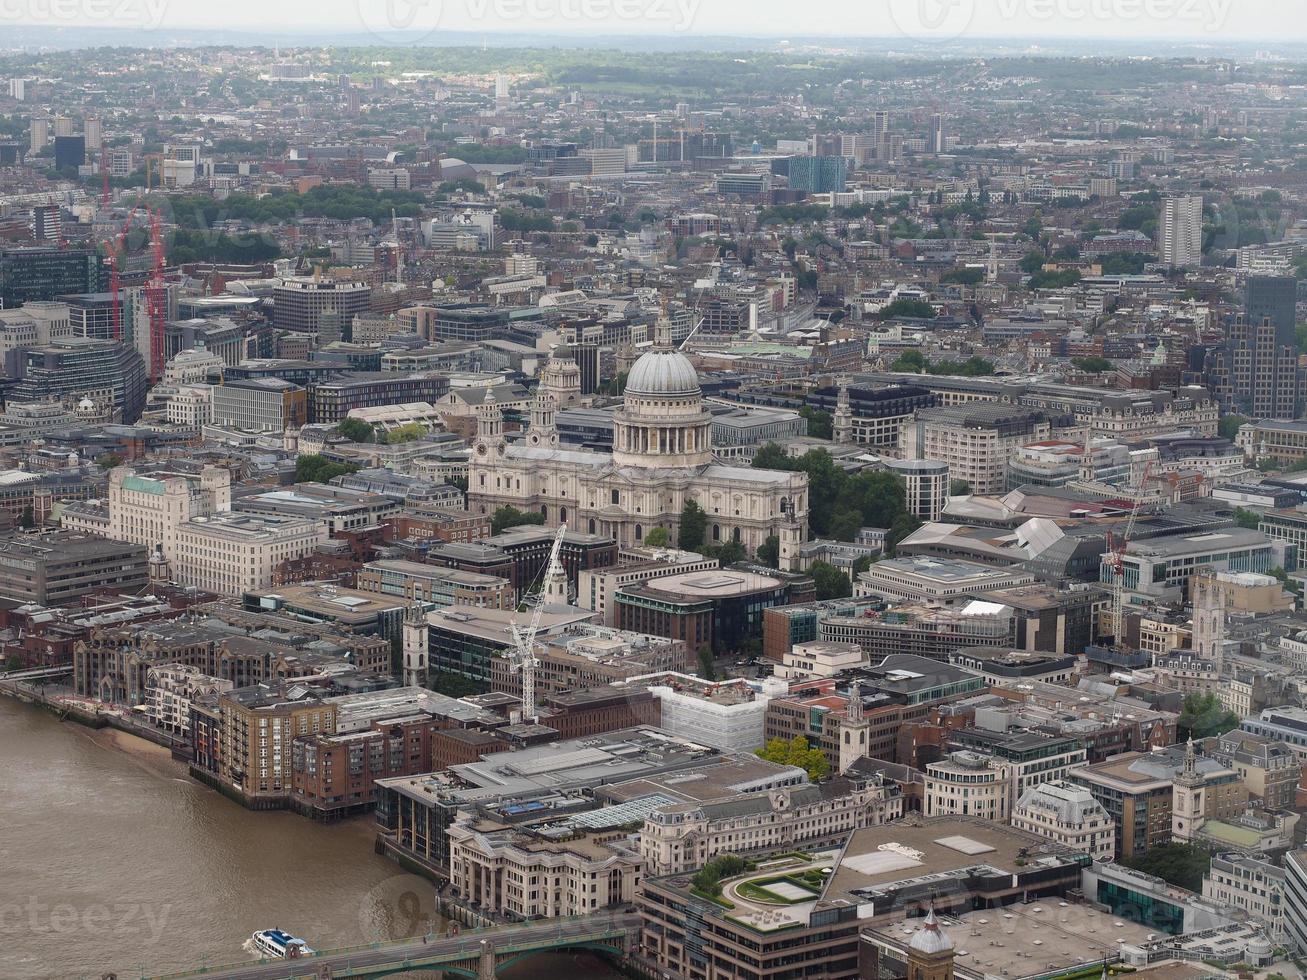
x: 662, y: 458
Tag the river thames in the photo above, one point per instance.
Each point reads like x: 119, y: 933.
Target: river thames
x: 114, y: 860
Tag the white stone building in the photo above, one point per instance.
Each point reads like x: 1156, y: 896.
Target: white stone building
x: 685, y: 836
x: 662, y: 458
x: 169, y: 691
x: 233, y: 553
x: 1070, y: 815
x: 969, y: 784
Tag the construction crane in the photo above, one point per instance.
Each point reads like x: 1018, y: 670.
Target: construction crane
x: 524, y: 658
x: 155, y: 288
x: 1116, y: 560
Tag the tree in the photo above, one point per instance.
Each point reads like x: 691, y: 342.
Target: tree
x: 1182, y: 865
x: 1093, y: 364
x: 912, y: 361
x: 1203, y: 716
x: 707, y: 669
x: 820, y: 423
x: 406, y: 433
x: 505, y: 517
x: 355, y: 430
x: 907, y: 306
x: 694, y: 524
x: 1032, y: 262
x: 315, y: 468
x: 110, y: 460
x: 658, y: 538
x: 29, y: 517
x: 709, y: 878
x: 796, y: 752
x: 1229, y: 426
x: 728, y: 553
x: 958, y: 488
x: 831, y: 583
x: 769, y: 552
x: 903, y: 525
x: 1247, y: 518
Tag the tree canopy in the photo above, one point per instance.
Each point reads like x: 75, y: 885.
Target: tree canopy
x: 831, y: 583
x: 796, y: 752
x: 839, y: 503
x: 315, y: 468
x: 1203, y: 716
x: 505, y: 517
x: 694, y: 524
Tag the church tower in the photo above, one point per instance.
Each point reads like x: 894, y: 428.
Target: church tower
x: 543, y: 430
x: 791, y: 540
x: 1187, y: 806
x: 415, y: 646
x: 1087, y: 473
x: 930, y: 952
x: 1208, y: 600
x: 843, y: 427
x: 855, y: 731
x: 490, y: 426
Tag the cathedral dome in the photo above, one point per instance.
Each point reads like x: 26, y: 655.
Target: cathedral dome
x: 663, y: 372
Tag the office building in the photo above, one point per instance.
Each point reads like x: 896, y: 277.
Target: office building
x: 975, y: 440
x: 102, y: 377
x: 298, y: 304
x: 1295, y: 900
x: 969, y: 784
x: 1180, y: 232
x: 926, y: 483
x: 818, y: 175
x: 683, y: 837
x: 58, y: 568
x: 28, y: 274
x: 149, y: 507
x: 230, y: 553
x: 69, y: 152
x: 434, y: 586
x: 1068, y: 814
x: 263, y: 405
x: 1256, y: 886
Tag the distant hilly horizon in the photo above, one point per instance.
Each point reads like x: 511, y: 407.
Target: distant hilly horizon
x: 30, y: 38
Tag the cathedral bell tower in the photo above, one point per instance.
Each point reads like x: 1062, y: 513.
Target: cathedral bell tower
x: 543, y: 430
x: 490, y: 427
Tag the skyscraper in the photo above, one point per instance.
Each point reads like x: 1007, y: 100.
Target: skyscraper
x: 1180, y: 232
x: 936, y: 142
x: 1273, y: 298
x: 1257, y: 371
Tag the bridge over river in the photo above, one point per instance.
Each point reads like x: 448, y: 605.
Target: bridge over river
x: 475, y: 953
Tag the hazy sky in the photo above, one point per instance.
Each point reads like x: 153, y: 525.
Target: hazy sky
x: 1189, y: 20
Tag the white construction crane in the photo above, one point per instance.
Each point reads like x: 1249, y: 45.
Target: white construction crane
x: 1116, y: 549
x: 524, y: 658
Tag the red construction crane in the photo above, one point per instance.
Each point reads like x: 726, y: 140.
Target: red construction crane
x: 155, y: 287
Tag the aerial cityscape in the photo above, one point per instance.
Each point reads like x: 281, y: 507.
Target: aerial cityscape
x: 654, y: 489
